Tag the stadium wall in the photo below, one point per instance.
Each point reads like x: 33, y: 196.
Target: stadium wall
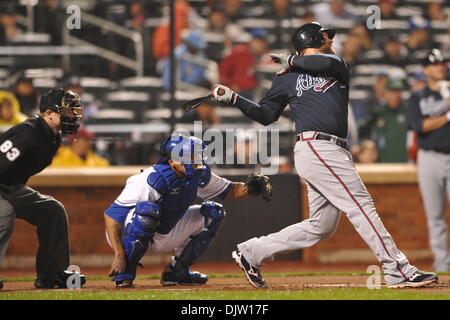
x: 87, y: 192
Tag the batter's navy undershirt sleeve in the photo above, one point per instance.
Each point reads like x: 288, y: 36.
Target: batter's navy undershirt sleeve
x: 269, y: 108
x: 326, y: 64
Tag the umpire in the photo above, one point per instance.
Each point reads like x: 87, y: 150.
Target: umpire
x: 25, y: 150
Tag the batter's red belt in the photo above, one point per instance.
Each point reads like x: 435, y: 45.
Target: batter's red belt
x: 324, y: 136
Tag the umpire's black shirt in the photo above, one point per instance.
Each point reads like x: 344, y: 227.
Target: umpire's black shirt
x: 25, y: 150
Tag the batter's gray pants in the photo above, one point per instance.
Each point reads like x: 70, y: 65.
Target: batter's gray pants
x: 50, y: 218
x: 434, y: 183
x: 333, y: 186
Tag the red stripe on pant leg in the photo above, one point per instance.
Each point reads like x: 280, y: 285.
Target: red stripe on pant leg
x: 357, y: 203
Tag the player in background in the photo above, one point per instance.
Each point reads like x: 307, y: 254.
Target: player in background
x: 154, y: 212
x: 429, y: 116
x: 25, y: 150
x: 315, y: 84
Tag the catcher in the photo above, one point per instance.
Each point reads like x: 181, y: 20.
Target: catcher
x: 154, y: 212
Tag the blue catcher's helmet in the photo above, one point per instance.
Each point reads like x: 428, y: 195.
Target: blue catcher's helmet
x: 188, y: 151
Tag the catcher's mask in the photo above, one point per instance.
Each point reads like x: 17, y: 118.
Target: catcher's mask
x: 69, y: 107
x: 188, y: 151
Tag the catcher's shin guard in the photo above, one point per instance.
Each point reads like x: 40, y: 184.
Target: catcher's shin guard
x: 138, y: 234
x: 214, y: 214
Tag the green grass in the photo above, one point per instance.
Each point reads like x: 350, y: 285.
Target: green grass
x: 183, y: 294
x: 312, y: 294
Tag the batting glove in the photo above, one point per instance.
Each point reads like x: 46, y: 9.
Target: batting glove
x: 224, y: 94
x: 284, y: 59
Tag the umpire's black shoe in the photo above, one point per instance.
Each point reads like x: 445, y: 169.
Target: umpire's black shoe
x: 417, y: 279
x: 253, y: 273
x: 172, y: 276
x: 58, y: 280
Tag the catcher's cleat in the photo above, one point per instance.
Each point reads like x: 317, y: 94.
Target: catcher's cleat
x: 253, y: 273
x: 183, y: 277
x: 124, y: 284
x: 416, y: 280
x: 58, y: 280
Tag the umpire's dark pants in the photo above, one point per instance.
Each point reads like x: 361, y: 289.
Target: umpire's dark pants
x: 50, y: 218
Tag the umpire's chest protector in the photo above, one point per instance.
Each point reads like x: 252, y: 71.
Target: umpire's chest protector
x: 177, y: 194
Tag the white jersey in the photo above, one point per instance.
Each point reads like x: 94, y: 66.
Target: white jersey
x: 137, y: 189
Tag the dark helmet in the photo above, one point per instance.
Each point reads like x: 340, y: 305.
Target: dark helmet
x: 188, y: 151
x: 310, y: 35
x: 67, y: 104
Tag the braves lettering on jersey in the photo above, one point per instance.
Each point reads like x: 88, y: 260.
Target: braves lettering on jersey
x: 317, y: 96
x: 424, y: 104
x: 160, y: 184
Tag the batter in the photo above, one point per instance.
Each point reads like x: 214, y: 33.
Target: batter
x: 315, y: 84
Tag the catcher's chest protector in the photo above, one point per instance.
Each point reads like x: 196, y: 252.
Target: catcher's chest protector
x: 177, y: 194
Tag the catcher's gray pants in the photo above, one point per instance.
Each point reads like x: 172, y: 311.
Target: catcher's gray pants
x: 434, y: 181
x: 333, y: 186
x: 50, y: 218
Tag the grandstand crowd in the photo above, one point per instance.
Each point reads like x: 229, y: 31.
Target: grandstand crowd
x: 225, y: 42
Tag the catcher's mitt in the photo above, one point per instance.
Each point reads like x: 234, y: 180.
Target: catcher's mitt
x: 259, y: 184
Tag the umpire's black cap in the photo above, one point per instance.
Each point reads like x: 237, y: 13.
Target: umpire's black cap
x: 51, y: 100
x: 434, y: 56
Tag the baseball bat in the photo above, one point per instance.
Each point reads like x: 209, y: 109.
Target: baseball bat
x: 195, y: 103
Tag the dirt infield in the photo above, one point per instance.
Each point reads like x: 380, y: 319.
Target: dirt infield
x: 218, y: 282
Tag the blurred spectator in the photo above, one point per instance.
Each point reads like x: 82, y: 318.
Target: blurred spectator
x: 137, y: 13
x: 161, y: 35
x: 191, y: 61
x: 363, y: 110
x: 387, y: 10
x: 79, y: 152
x: 279, y: 11
x: 334, y: 13
x: 237, y: 70
x: 395, y: 53
x: 435, y: 12
x: 27, y: 96
x: 226, y: 30
x: 351, y: 49
x: 419, y: 36
x: 50, y: 19
x: 10, y: 114
x: 368, y: 152
x: 8, y: 24
x: 390, y: 127
x: 308, y: 16
x: 360, y: 31
x: 233, y: 10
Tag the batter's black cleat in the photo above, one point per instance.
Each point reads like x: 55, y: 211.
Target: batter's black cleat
x: 58, y: 280
x: 417, y: 279
x: 172, y: 276
x: 253, y: 273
